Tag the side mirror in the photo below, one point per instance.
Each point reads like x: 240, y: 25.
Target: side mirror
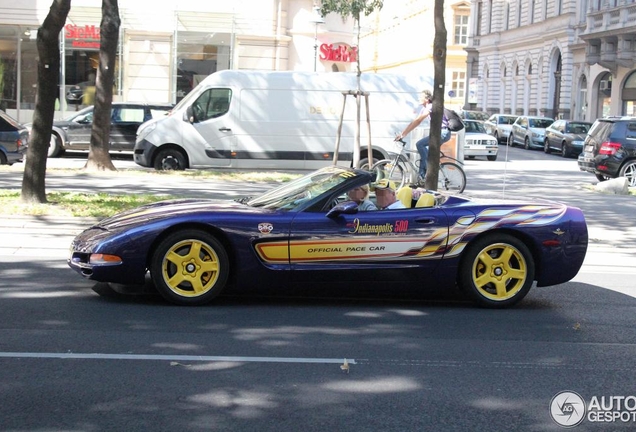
x: 347, y: 207
x: 189, y: 115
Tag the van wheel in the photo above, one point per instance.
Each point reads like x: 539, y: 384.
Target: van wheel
x: 364, y: 163
x: 170, y: 160
x: 55, y: 146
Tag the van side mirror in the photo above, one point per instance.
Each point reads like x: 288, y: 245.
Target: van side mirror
x: 189, y: 115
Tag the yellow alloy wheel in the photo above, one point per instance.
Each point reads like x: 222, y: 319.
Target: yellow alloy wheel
x: 496, y: 270
x: 191, y: 268
x: 499, y: 271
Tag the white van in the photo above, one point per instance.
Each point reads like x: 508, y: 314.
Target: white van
x: 280, y: 120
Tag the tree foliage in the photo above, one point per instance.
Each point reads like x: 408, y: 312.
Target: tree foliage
x: 47, y: 42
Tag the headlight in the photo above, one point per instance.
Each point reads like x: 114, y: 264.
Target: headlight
x: 144, y: 130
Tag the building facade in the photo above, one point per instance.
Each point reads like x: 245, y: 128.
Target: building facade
x: 399, y: 39
x: 166, y: 48
x: 558, y: 58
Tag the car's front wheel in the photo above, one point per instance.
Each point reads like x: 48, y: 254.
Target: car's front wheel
x: 526, y: 143
x: 564, y: 150
x: 629, y: 170
x: 189, y: 267
x: 170, y: 160
x: 497, y: 271
x: 511, y: 141
x: 546, y: 146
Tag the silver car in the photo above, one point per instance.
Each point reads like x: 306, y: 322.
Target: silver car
x: 529, y: 131
x: 498, y: 125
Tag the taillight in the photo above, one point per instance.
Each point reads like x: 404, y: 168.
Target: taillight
x: 609, y: 148
x: 18, y: 144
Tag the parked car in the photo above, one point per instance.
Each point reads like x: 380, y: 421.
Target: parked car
x: 474, y: 115
x: 499, y: 125
x: 14, y: 139
x: 74, y: 133
x: 477, y: 142
x: 609, y: 150
x: 566, y: 136
x: 308, y: 230
x: 529, y: 131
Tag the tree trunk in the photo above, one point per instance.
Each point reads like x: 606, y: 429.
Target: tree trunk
x: 439, y: 63
x: 98, y: 155
x: 33, y: 180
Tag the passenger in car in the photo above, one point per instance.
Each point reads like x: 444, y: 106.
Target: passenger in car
x: 360, y: 195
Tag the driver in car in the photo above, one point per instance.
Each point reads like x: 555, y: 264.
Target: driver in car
x: 385, y: 195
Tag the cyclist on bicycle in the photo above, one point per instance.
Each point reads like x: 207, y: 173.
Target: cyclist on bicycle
x: 424, y: 111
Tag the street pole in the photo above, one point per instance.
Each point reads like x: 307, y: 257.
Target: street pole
x: 316, y: 19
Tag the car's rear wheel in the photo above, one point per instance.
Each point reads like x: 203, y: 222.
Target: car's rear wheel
x: 189, y: 267
x: 55, y: 146
x: 601, y: 177
x: 629, y: 170
x: 3, y: 159
x: 170, y: 160
x: 497, y: 271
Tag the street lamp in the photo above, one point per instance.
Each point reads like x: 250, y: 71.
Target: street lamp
x: 316, y: 19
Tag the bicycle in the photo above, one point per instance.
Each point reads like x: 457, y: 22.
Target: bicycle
x: 401, y: 169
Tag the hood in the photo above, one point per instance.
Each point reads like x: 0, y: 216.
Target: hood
x: 538, y: 130
x: 175, y: 209
x: 578, y: 137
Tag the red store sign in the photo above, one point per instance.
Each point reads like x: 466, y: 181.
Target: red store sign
x: 339, y: 53
x: 82, y: 37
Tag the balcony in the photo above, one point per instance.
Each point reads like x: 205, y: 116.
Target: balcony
x: 610, y: 36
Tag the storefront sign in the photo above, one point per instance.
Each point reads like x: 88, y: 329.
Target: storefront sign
x: 339, y: 53
x: 83, y: 37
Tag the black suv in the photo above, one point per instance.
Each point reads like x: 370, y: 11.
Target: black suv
x: 609, y: 150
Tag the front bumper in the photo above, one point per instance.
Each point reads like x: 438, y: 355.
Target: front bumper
x: 144, y: 152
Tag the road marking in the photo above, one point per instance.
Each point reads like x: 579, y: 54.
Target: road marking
x: 174, y: 358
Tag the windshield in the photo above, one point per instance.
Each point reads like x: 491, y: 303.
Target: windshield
x: 540, y: 123
x: 474, y: 127
x: 299, y: 191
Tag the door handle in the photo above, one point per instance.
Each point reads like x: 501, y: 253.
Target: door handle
x: 224, y: 129
x: 425, y: 221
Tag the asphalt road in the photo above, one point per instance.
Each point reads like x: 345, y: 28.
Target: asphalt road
x: 73, y: 359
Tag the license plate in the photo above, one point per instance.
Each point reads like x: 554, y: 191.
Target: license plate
x: 589, y: 148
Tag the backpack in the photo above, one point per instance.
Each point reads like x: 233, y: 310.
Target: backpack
x: 455, y: 123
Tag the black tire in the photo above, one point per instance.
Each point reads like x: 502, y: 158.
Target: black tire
x: 601, y: 177
x: 629, y: 170
x: 451, y: 178
x: 189, y: 267
x: 511, y: 141
x: 364, y: 163
x: 387, y: 169
x: 497, y: 271
x: 55, y: 147
x: 564, y: 150
x: 170, y: 159
x: 492, y: 158
x: 546, y: 147
x: 526, y: 143
x: 3, y: 159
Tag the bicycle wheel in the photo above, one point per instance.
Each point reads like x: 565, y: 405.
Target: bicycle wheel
x: 389, y: 169
x: 451, y: 177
